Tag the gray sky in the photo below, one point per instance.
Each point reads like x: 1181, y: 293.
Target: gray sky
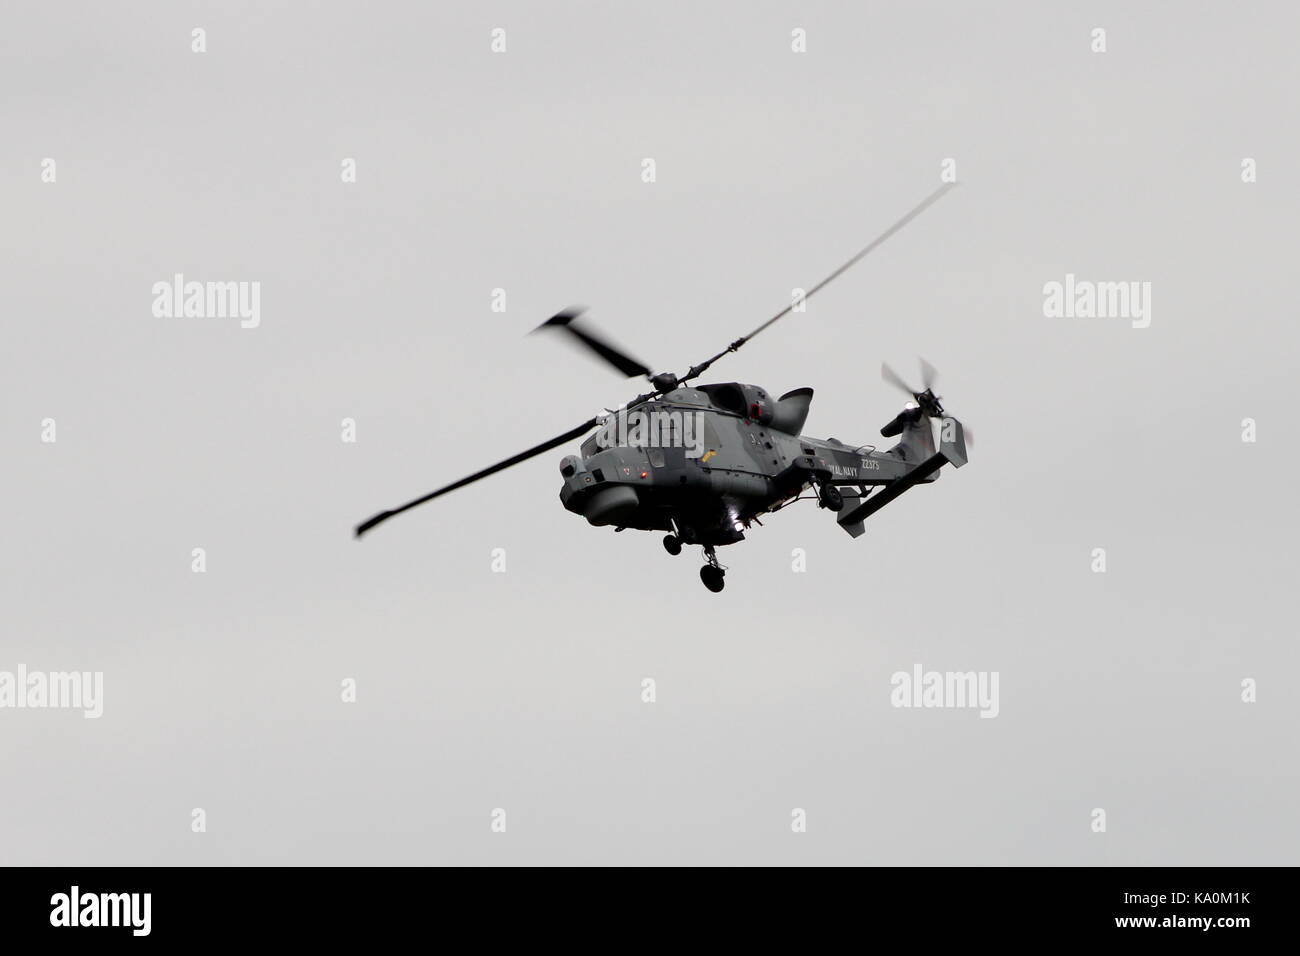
x: 522, y: 690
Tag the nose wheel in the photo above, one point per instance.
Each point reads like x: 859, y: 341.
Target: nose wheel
x: 712, y: 573
x: 672, y: 544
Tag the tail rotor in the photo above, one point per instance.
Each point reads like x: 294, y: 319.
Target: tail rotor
x: 925, y: 398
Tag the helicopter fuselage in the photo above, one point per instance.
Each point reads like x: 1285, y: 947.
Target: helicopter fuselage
x: 726, y: 455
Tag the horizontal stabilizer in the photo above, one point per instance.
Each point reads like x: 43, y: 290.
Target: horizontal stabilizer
x: 891, y: 491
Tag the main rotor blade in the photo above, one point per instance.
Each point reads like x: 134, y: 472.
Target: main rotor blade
x: 921, y: 207
x: 629, y: 366
x: 499, y: 466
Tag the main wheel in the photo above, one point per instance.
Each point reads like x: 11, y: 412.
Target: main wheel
x: 712, y: 578
x: 672, y: 544
x: 831, y: 498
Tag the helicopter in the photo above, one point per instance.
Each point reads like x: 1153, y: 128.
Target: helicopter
x: 704, y: 463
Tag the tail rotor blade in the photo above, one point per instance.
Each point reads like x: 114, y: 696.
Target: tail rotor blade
x: 929, y: 375
x: 893, y: 378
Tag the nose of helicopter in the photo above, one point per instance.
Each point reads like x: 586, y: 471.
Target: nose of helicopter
x: 613, y: 504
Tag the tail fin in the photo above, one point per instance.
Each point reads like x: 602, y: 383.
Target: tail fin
x: 917, y: 442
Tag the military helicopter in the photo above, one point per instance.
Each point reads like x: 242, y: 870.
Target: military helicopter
x: 706, y: 462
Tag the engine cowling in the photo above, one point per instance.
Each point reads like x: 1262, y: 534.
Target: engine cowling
x: 792, y: 411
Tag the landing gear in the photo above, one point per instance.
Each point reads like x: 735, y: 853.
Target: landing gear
x: 828, y: 496
x: 712, y: 574
x: 672, y: 544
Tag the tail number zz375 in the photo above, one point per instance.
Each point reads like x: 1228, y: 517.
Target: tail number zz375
x: 848, y: 471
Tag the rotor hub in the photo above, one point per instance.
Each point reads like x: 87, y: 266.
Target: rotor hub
x: 929, y: 403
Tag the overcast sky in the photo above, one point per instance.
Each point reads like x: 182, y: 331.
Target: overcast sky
x: 522, y: 170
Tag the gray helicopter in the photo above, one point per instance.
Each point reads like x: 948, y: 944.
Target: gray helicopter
x: 705, y: 463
